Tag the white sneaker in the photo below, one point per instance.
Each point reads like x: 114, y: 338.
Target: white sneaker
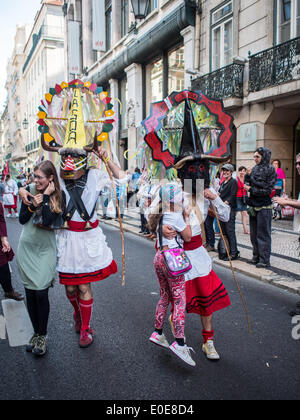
x: 16, y: 214
x: 183, y: 352
x: 210, y: 351
x: 8, y: 215
x: 158, y: 339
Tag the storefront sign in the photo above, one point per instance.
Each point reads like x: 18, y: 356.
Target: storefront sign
x: 99, y: 36
x: 248, y: 137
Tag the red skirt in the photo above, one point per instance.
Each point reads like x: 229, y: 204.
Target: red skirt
x: 70, y: 279
x: 206, y: 295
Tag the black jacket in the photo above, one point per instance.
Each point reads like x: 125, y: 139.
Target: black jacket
x: 228, y: 191
x: 262, y: 180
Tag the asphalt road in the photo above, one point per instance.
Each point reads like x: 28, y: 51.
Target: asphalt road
x: 123, y: 365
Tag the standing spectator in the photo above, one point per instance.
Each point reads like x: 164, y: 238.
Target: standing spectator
x: 280, y: 185
x: 143, y: 199
x: 241, y: 197
x: 36, y: 256
x: 2, y: 189
x: 228, y: 192
x: 10, y: 199
x: 296, y: 204
x: 262, y: 181
x: 133, y: 184
x: 104, y: 198
x: 6, y: 255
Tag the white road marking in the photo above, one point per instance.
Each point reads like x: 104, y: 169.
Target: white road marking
x: 18, y: 324
x: 2, y: 328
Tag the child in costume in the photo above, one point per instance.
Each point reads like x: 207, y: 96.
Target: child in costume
x: 172, y: 289
x: 83, y: 254
x: 205, y: 292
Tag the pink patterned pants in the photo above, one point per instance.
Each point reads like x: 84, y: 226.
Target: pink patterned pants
x: 172, y: 290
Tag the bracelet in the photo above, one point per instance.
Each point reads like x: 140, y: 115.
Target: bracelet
x: 31, y: 211
x: 107, y: 159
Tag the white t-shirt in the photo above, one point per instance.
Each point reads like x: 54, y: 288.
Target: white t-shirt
x: 176, y: 221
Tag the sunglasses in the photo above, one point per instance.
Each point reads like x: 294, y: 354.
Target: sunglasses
x: 297, y: 163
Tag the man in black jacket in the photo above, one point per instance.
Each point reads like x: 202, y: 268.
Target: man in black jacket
x: 228, y: 191
x: 262, y: 181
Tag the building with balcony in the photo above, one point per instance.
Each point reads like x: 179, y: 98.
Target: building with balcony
x: 13, y: 134
x: 250, y: 57
x: 42, y: 68
x: 138, y: 60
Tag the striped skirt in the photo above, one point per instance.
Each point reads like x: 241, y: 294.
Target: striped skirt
x: 205, y: 293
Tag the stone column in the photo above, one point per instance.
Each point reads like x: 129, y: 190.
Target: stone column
x: 114, y: 138
x: 134, y: 109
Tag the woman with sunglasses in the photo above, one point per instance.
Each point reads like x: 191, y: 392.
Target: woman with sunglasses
x: 36, y: 256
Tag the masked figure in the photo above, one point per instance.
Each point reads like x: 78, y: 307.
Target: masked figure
x: 83, y: 254
x: 205, y: 292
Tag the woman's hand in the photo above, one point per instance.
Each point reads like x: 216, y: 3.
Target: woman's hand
x: 50, y: 189
x: 25, y: 195
x: 169, y: 232
x: 37, y: 200
x: 5, y: 244
x: 103, y: 153
x: 209, y: 194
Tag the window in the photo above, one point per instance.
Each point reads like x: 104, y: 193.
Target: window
x: 108, y: 24
x: 153, y: 5
x: 222, y: 36
x: 288, y: 17
x: 176, y: 70
x: 124, y: 17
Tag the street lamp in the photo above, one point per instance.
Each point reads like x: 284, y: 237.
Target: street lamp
x: 25, y: 123
x: 65, y: 8
x: 140, y: 8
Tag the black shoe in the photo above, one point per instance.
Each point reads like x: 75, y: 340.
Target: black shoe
x: 236, y: 256
x: 14, y: 295
x: 295, y: 312
x: 254, y: 261
x: 263, y: 265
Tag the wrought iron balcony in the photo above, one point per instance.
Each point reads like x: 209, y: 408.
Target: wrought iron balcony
x: 226, y: 82
x: 275, y: 65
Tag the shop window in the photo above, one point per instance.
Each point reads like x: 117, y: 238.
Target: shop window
x: 124, y: 17
x: 176, y: 70
x: 222, y: 36
x: 154, y: 82
x: 108, y: 24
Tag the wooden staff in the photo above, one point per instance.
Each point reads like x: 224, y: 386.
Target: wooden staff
x: 119, y: 214
x: 232, y: 269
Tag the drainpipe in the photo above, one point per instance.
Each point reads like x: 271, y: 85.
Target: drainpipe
x: 198, y: 35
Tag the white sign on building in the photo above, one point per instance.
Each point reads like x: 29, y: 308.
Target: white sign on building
x: 99, y: 35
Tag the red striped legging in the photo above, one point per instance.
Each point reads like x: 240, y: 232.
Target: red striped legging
x: 172, y: 290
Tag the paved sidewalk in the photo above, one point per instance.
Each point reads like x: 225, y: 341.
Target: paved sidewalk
x: 285, y: 261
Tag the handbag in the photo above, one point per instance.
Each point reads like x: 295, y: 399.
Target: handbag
x: 176, y: 260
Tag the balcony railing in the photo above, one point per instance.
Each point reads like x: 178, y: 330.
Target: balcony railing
x: 275, y: 65
x: 226, y: 82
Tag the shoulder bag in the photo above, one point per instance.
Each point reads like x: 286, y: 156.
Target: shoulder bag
x: 176, y: 260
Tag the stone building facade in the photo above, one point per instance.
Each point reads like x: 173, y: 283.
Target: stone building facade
x: 246, y: 52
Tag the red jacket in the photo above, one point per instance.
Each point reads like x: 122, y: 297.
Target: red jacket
x: 4, y: 257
